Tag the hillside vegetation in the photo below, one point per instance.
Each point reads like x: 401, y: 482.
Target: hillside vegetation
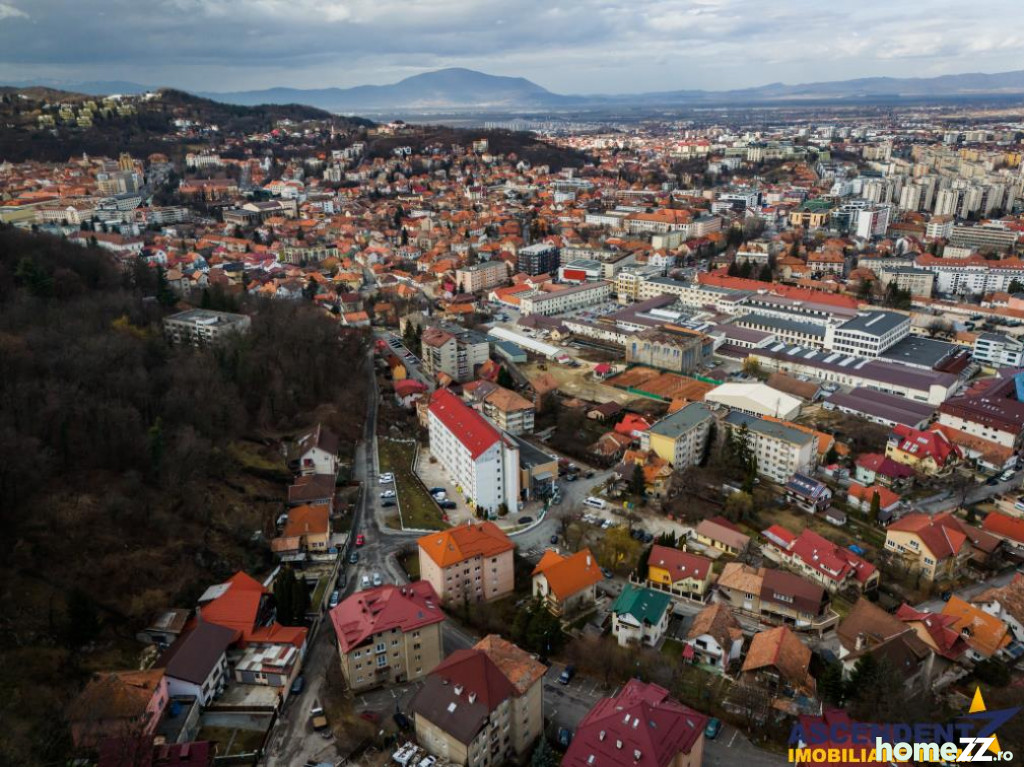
x: 133, y: 474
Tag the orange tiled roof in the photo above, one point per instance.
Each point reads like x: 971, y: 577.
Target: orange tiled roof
x: 568, y: 575
x: 458, y: 544
x: 986, y: 634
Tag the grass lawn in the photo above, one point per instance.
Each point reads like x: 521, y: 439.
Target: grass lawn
x: 673, y: 648
x: 411, y: 564
x: 318, y: 592
x: 419, y: 512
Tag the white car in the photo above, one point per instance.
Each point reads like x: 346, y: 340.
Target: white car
x: 386, y: 479
x: 377, y: 580
x: 388, y: 494
x: 365, y: 582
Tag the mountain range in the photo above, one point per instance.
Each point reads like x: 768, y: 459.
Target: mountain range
x: 462, y: 90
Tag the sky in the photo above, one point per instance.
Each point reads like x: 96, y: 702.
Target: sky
x: 567, y: 46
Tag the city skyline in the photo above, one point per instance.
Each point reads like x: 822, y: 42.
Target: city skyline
x: 581, y: 47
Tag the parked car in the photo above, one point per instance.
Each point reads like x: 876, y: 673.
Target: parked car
x: 434, y: 490
x: 564, y: 737
x: 365, y: 582
x: 360, y: 540
x: 353, y: 557
x: 525, y: 520
x: 388, y: 494
x: 377, y: 580
x: 554, y: 539
x: 448, y: 505
x: 386, y: 479
x: 714, y: 726
x: 298, y: 684
x: 402, y: 721
x: 566, y: 676
x: 607, y: 573
x: 335, y: 598
x: 387, y: 504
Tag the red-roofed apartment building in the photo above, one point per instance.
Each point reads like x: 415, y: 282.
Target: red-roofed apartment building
x: 266, y: 653
x: 482, y: 461
x: 640, y: 727
x: 388, y: 635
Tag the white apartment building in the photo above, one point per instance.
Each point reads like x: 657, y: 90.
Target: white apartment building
x: 998, y: 350
x: 481, y: 277
x: 482, y: 461
x: 964, y: 277
x: 781, y: 450
x: 568, y: 299
x: 203, y: 327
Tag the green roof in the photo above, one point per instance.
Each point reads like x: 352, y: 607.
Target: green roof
x: 646, y: 605
x: 816, y: 205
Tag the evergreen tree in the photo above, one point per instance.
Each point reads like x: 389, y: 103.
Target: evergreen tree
x: 876, y: 506
x: 831, y: 688
x: 765, y: 274
x: 284, y: 595
x: 637, y: 484
x: 164, y: 294
x: 733, y: 270
x: 505, y: 378
x: 542, y: 755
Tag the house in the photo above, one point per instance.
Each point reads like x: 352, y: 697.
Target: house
x: 935, y: 630
x: 266, y: 653
x: 481, y: 460
x: 313, y: 490
x: 935, y: 546
x: 481, y: 706
x: 640, y: 616
x: 715, y: 637
x: 680, y: 438
x: 118, y: 704
x: 388, y: 635
x: 985, y: 634
x: 808, y: 494
x: 408, y: 391
x: 678, y: 572
x: 928, y: 452
x: 862, y: 498
x: 641, y: 726
x: 721, y: 534
x: 1007, y: 604
x: 566, y: 583
x: 869, y: 630
x: 776, y: 597
x: 1009, y: 529
x: 308, y: 529
x: 779, y: 662
x: 872, y: 468
x: 604, y: 411
x: 197, y: 664
x: 820, y: 560
x: 470, y: 562
x: 316, y: 452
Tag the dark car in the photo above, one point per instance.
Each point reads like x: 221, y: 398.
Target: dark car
x: 713, y: 728
x: 402, y: 721
x: 353, y: 557
x: 571, y: 477
x: 436, y: 490
x: 564, y: 737
x: 554, y: 539
x: 567, y: 675
x: 589, y: 473
x: 525, y: 520
x: 607, y: 573
x: 387, y: 504
x: 448, y: 505
x: 299, y: 684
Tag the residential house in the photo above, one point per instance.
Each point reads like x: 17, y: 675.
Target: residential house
x: 680, y: 438
x: 481, y: 706
x: 777, y: 661
x: 820, y: 560
x: 1007, y: 604
x: 197, y: 664
x: 308, y: 530
x: 715, y: 637
x: 808, y: 494
x: 266, y: 653
x: 640, y: 616
x: 776, y: 596
x: 869, y: 630
x: 641, y: 726
x: 936, y: 546
x: 481, y: 460
x: 120, y: 705
x: 470, y: 562
x: 316, y: 452
x: 313, y: 490
x: 722, y: 535
x: 985, y: 634
x: 566, y: 582
x: 679, y: 573
x: 388, y: 635
x: 872, y: 468
x: 861, y: 498
x: 1009, y: 529
x: 928, y: 452
x: 935, y: 630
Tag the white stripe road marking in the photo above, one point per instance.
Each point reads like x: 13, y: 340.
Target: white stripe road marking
x: 737, y: 732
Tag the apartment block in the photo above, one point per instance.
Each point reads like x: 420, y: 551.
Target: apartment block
x: 468, y: 563
x: 203, y: 327
x: 781, y: 451
x: 454, y: 352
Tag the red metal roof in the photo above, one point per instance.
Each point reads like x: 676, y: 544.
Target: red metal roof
x: 369, y: 612
x: 468, y: 426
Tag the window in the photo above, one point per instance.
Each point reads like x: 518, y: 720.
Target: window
x: 382, y: 660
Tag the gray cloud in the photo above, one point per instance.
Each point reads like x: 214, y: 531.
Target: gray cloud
x: 566, y: 45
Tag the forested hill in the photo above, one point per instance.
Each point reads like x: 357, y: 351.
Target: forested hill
x: 132, y: 475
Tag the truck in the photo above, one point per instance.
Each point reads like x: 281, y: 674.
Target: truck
x: 318, y: 719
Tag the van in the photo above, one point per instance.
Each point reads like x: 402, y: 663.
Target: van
x: 595, y: 503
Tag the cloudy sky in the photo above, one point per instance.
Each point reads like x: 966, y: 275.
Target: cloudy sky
x: 568, y: 46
